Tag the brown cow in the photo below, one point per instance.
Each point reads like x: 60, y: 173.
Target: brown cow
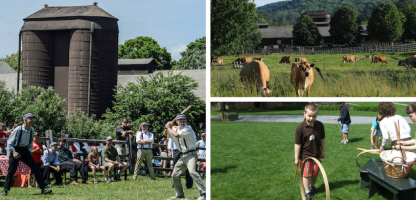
x: 286, y: 59
x: 377, y: 58
x: 218, y: 60
x: 258, y: 71
x: 302, y: 77
x: 259, y: 59
x: 301, y: 60
x: 349, y: 59
x: 249, y: 59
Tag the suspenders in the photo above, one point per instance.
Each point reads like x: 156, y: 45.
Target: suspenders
x: 20, y: 137
x: 142, y: 139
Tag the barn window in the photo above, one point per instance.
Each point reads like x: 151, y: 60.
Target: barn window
x: 279, y: 41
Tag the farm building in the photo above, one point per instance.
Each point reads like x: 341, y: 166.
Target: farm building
x: 282, y: 36
x: 136, y: 66
x: 74, y: 49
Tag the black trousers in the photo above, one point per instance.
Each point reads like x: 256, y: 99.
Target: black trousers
x: 25, y: 157
x: 73, y: 168
x: 58, y: 177
x: 188, y: 178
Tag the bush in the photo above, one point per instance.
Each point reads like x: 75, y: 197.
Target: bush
x: 328, y: 107
x: 79, y: 125
x: 365, y: 108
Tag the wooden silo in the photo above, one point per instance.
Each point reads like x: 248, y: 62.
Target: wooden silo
x: 74, y: 49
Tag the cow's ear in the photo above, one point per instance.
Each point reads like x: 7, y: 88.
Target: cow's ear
x: 313, y: 65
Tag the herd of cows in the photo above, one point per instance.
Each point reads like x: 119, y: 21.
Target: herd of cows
x: 302, y: 76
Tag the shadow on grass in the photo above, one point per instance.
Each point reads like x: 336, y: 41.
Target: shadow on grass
x: 338, y: 184
x: 355, y: 140
x: 222, y: 170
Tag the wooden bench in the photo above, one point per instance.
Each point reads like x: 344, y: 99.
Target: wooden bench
x: 365, y: 180
x: 403, y: 188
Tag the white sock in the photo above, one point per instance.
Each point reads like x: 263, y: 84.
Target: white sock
x: 306, y: 192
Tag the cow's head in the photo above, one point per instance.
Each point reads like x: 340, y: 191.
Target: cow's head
x: 305, y: 66
x: 265, y: 92
x: 402, y: 62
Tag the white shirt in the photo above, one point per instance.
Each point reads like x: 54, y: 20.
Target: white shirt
x: 187, y: 139
x: 388, y: 129
x: 146, y: 136
x: 201, y: 144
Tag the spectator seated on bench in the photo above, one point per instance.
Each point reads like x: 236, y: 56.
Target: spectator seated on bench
x: 51, y: 164
x: 93, y: 164
x: 111, y: 159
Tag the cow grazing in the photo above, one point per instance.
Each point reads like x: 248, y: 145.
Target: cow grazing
x: 301, y: 60
x: 259, y: 59
x: 286, y: 59
x: 349, y: 59
x: 249, y: 59
x: 377, y: 58
x: 302, y: 77
x: 218, y: 60
x: 256, y: 71
x: 408, y: 62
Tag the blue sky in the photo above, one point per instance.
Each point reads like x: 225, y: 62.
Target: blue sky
x: 264, y: 2
x: 174, y: 24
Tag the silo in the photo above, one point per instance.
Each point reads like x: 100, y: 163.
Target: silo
x: 38, y: 51
x: 75, y: 50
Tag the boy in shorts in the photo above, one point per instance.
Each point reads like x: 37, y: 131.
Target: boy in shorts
x: 309, y: 142
x: 345, y: 120
x: 375, y: 131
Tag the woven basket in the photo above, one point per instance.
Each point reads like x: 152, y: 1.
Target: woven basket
x: 395, y: 165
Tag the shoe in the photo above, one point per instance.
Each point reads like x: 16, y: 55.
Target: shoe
x: 107, y: 180
x: 372, y: 148
x: 178, y: 197
x: 313, y: 190
x: 117, y: 178
x: 74, y: 183
x: 342, y: 141
x: 4, y: 193
x: 202, y: 197
x: 345, y: 142
x: 308, y: 196
x: 46, y: 191
x: 88, y: 182
x: 95, y: 181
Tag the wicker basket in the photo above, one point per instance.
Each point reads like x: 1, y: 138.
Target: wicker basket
x: 395, y: 165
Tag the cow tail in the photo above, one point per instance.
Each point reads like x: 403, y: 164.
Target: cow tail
x: 319, y: 71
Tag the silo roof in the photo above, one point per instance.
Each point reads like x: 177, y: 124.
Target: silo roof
x: 70, y: 11
x: 138, y: 61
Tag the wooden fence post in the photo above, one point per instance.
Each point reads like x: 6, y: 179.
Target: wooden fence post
x: 49, y: 134
x: 131, y: 167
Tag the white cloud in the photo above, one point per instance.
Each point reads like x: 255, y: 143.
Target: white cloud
x: 176, y: 50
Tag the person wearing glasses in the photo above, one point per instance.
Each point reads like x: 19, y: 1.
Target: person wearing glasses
x: 122, y: 133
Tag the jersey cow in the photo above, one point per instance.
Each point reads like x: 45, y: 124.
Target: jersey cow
x: 377, y: 58
x: 256, y: 71
x: 349, y: 59
x: 244, y: 60
x: 286, y: 59
x: 302, y: 77
x: 218, y: 60
x: 301, y: 60
x: 259, y: 59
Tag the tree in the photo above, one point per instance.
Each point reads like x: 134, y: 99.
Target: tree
x: 385, y: 23
x: 79, y: 125
x: 6, y: 105
x: 145, y: 47
x: 305, y: 32
x: 194, y: 56
x: 344, y: 26
x: 401, y: 4
x: 12, y: 61
x: 233, y: 27
x: 157, y: 100
x: 410, y: 24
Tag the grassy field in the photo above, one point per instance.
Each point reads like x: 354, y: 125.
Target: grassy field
x: 256, y: 161
x: 143, y: 188
x: 359, y: 79
x: 401, y: 110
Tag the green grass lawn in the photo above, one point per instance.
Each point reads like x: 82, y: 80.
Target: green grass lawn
x: 255, y: 160
x: 143, y: 188
x: 401, y: 110
x: 359, y: 79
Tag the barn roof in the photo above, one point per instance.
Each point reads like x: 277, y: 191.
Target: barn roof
x: 316, y: 13
x: 5, y: 68
x: 70, y: 11
x: 286, y: 32
x: 137, y: 61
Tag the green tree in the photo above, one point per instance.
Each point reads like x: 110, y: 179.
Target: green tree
x: 6, y: 105
x: 344, y: 26
x: 194, y: 56
x: 79, y: 125
x: 385, y: 23
x: 145, y: 47
x: 157, y: 100
x: 410, y: 24
x: 305, y: 32
x: 401, y: 4
x: 233, y: 27
x: 12, y: 61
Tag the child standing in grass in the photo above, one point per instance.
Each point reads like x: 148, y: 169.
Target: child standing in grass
x: 387, y: 111
x: 345, y: 121
x: 375, y: 131
x: 310, y: 142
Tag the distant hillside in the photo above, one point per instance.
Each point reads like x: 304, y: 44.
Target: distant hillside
x: 285, y: 13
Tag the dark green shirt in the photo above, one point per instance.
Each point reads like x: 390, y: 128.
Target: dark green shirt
x: 64, y: 155
x: 110, y: 153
